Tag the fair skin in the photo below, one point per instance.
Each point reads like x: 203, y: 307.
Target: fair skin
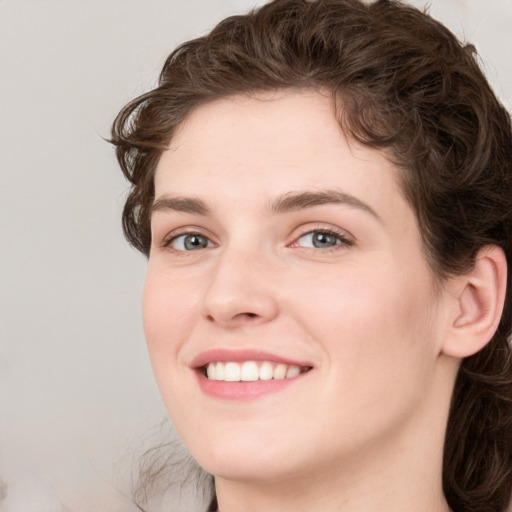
x: 278, y: 242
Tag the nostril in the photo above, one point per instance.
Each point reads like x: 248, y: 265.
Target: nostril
x: 213, y: 318
x: 226, y: 316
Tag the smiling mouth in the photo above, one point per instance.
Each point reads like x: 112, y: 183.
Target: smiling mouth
x: 250, y: 371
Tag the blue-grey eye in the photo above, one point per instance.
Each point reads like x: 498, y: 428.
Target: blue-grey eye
x: 319, y: 240
x: 190, y: 242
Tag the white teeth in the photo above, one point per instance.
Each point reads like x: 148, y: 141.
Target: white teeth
x: 232, y: 372
x: 219, y: 370
x: 250, y: 371
x: 210, y: 371
x: 280, y: 371
x: 266, y: 371
x: 292, y: 371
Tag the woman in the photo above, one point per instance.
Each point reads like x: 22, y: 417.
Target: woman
x: 324, y: 192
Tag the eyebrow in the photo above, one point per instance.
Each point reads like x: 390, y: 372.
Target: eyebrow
x: 291, y: 201
x: 180, y: 204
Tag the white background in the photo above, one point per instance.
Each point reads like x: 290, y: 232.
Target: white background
x: 76, y: 389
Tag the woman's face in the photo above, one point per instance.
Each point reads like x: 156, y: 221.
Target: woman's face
x: 284, y: 253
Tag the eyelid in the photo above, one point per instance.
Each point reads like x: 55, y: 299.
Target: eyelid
x: 345, y: 238
x: 189, y: 230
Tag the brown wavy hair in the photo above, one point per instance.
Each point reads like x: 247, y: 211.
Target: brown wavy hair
x: 402, y: 82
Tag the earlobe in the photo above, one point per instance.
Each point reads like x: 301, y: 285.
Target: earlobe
x: 479, y: 304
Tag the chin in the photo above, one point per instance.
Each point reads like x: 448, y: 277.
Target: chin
x: 246, y: 458
x: 240, y: 469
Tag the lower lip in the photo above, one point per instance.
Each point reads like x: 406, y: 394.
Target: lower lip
x: 244, y: 390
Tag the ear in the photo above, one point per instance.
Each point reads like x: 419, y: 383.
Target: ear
x: 478, y: 298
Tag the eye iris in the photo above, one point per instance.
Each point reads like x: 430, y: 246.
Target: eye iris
x: 324, y: 240
x: 193, y: 242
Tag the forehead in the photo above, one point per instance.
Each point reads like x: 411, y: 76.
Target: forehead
x: 270, y: 138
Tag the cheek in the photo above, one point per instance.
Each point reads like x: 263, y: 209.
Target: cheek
x: 169, y: 313
x: 372, y: 328
x: 358, y: 300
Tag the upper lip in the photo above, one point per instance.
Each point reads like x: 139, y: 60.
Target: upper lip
x: 240, y: 355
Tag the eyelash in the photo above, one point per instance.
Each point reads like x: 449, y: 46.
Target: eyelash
x: 174, y: 236
x: 344, y: 241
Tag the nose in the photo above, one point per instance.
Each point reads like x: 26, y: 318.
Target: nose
x: 240, y: 291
